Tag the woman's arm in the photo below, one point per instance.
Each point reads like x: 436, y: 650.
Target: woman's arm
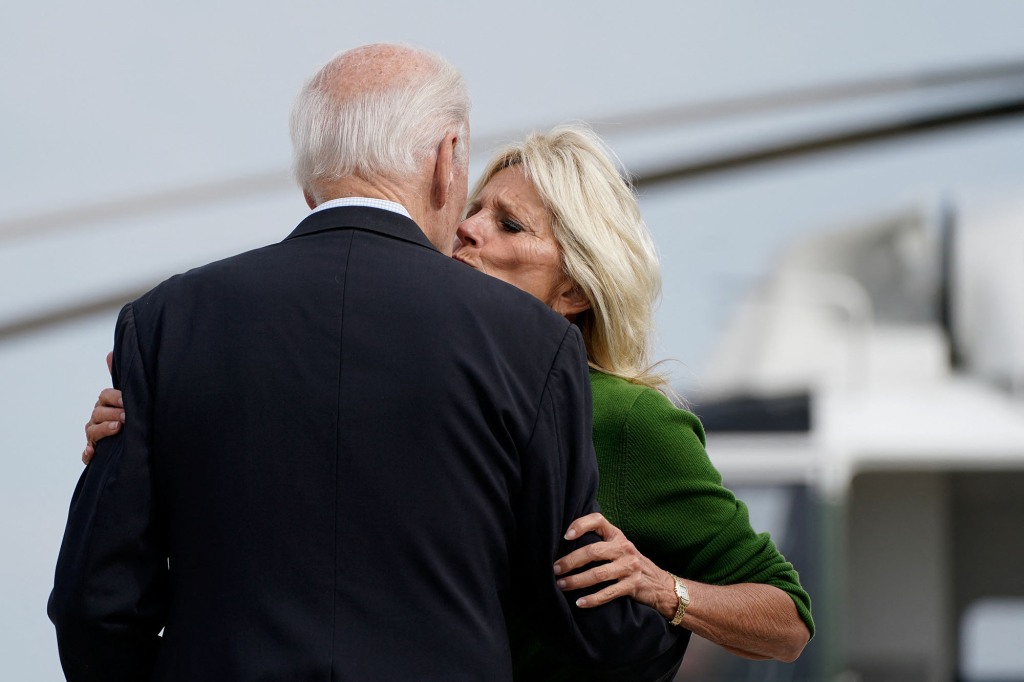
x: 659, y: 486
x: 748, y: 619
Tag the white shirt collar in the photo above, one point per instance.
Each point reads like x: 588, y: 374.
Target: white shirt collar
x: 364, y: 201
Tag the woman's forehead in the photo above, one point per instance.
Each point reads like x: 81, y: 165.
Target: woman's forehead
x: 511, y: 188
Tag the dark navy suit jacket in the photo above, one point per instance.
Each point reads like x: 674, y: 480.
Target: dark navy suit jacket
x: 346, y: 457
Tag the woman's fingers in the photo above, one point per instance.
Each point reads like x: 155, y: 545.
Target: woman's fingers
x: 621, y: 559
x: 110, y: 397
x: 619, y: 563
x: 631, y: 575
x: 604, y: 596
x: 101, y: 414
x: 620, y: 569
x: 106, y: 419
x: 595, y: 522
x: 95, y: 431
x: 614, y: 545
x: 599, y: 551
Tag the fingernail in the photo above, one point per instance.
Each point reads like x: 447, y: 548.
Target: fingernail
x: 113, y: 425
x: 558, y: 568
x: 120, y: 402
x: 582, y: 601
x: 570, y: 534
x: 122, y: 416
x: 560, y: 583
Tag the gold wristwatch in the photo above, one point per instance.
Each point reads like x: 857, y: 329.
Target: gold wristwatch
x: 683, y: 595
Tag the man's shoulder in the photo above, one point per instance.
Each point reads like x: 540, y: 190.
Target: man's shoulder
x: 493, y: 298
x: 503, y: 328
x: 203, y: 275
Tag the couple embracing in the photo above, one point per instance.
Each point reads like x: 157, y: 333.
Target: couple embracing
x: 349, y: 456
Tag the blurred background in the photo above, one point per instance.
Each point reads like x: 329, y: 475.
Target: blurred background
x: 836, y: 192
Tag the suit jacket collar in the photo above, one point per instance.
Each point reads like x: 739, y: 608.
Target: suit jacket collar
x: 377, y: 220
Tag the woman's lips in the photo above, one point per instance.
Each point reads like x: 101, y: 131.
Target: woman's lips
x: 462, y: 259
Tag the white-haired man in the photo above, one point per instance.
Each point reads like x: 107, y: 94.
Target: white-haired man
x: 348, y: 457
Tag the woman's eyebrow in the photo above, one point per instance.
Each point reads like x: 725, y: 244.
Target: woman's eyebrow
x: 514, y: 210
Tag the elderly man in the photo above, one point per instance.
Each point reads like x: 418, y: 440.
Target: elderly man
x: 349, y: 457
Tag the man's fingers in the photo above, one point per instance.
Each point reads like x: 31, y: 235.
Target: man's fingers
x: 87, y: 454
x: 110, y: 362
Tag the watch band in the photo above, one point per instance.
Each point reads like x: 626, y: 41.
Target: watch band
x: 683, y: 597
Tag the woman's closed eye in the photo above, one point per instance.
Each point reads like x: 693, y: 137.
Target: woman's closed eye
x: 510, y: 225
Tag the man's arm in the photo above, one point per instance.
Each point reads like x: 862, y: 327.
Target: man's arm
x: 110, y: 587
x: 559, y: 484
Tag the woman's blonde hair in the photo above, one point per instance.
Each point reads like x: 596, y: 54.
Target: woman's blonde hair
x: 606, y: 249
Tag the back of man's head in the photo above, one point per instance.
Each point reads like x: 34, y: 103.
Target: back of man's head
x: 376, y: 111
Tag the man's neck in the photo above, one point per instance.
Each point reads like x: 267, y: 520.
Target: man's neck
x: 416, y: 200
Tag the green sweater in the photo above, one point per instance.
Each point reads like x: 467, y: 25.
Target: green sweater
x: 659, y: 487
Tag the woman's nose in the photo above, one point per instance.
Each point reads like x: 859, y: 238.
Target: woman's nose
x: 468, y: 232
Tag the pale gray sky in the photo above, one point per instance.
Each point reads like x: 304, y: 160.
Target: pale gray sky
x: 111, y: 97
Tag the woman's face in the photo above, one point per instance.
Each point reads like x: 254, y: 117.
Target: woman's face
x: 507, y: 234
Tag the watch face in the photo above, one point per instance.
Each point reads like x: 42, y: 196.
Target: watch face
x: 683, y: 596
x: 682, y: 592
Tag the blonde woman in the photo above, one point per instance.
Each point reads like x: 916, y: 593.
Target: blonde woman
x: 553, y: 216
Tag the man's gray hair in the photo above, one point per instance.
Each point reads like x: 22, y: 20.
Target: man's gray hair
x: 376, y: 132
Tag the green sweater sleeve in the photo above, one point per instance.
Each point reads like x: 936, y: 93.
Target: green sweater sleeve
x: 659, y: 486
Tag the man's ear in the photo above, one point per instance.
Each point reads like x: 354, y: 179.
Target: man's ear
x: 571, y: 301
x: 444, y: 170
x: 310, y: 201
